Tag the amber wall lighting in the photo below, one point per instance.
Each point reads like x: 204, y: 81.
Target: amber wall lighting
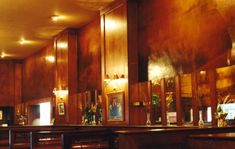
x: 3, y: 55
x: 115, y: 82
x: 60, y: 93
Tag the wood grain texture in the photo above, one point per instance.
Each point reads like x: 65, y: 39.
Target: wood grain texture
x: 163, y: 101
x: 115, y: 54
x: 38, y: 75
x: 7, y: 83
x: 89, y: 56
x: 62, y: 60
x: 72, y: 76
x: 61, y: 76
x: 140, y: 92
x: 178, y: 99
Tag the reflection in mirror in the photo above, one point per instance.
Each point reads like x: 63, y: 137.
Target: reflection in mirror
x: 204, y: 99
x: 225, y: 89
x: 156, y: 103
x: 190, y: 38
x: 186, y: 98
x: 170, y: 101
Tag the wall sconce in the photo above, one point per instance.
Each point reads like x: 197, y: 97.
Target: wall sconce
x: 115, y: 81
x: 61, y: 94
x: 115, y: 77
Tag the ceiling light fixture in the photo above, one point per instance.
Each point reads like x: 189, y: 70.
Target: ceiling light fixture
x: 56, y: 18
x: 3, y: 55
x: 22, y: 41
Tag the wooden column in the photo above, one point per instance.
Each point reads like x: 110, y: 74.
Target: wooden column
x: 212, y: 83
x: 163, y: 102
x: 195, y: 99
x: 18, y: 89
x: 178, y: 99
x: 72, y: 77
x: 115, y: 58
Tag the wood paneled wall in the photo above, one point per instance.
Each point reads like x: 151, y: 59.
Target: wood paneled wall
x: 61, y: 77
x: 89, y: 56
x: 141, y: 93
x: 10, y: 81
x: 38, y: 75
x: 115, y: 55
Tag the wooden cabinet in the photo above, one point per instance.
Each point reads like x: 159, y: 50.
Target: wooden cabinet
x: 171, y: 100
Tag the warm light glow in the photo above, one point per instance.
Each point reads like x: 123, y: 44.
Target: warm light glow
x: 62, y: 45
x: 113, y: 24
x: 233, y: 51
x: 117, y: 82
x: 61, y: 94
x: 22, y: 41
x: 202, y: 72
x: 50, y: 59
x: 107, y: 79
x: 56, y: 18
x: 159, y: 68
x: 45, y: 113
x: 3, y: 55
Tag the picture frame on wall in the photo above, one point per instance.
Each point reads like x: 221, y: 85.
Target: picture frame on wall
x: 115, y: 106
x: 61, y: 109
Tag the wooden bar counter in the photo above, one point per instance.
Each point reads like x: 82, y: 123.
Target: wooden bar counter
x: 142, y: 137
x: 212, y: 141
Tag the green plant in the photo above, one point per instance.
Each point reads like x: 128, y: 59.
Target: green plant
x: 155, y: 100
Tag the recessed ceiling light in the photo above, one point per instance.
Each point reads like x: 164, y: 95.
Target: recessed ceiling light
x: 56, y: 18
x: 3, y: 55
x: 22, y: 41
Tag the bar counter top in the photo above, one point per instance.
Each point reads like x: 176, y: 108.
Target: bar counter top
x: 125, y: 129
x: 229, y: 135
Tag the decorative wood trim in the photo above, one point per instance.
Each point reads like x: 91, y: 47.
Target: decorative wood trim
x: 178, y: 99
x: 195, y: 98
x: 163, y: 102
x: 212, y: 83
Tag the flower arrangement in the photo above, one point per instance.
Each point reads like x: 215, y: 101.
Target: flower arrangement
x: 220, y: 115
x: 21, y: 119
x: 91, y: 113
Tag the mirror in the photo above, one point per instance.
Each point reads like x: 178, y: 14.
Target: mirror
x: 193, y: 40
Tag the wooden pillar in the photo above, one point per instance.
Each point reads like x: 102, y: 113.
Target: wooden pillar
x: 163, y: 102
x: 212, y: 83
x: 195, y: 98
x: 178, y: 99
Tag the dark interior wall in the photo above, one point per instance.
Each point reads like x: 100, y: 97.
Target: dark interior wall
x: 183, y: 34
x: 89, y: 56
x: 38, y: 75
x: 7, y: 83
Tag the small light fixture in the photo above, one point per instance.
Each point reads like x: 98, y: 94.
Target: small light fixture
x: 202, y: 72
x: 3, y: 55
x: 115, y: 77
x: 22, y: 41
x: 50, y: 58
x: 56, y: 18
x: 122, y: 76
x: 106, y: 78
x: 62, y: 45
x: 61, y: 93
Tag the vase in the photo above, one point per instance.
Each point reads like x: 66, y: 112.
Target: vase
x: 148, y: 121
x: 93, y: 120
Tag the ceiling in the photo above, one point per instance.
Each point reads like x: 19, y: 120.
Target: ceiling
x: 31, y: 20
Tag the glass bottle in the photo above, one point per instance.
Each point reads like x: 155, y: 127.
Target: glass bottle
x: 200, y: 122
x: 148, y: 121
